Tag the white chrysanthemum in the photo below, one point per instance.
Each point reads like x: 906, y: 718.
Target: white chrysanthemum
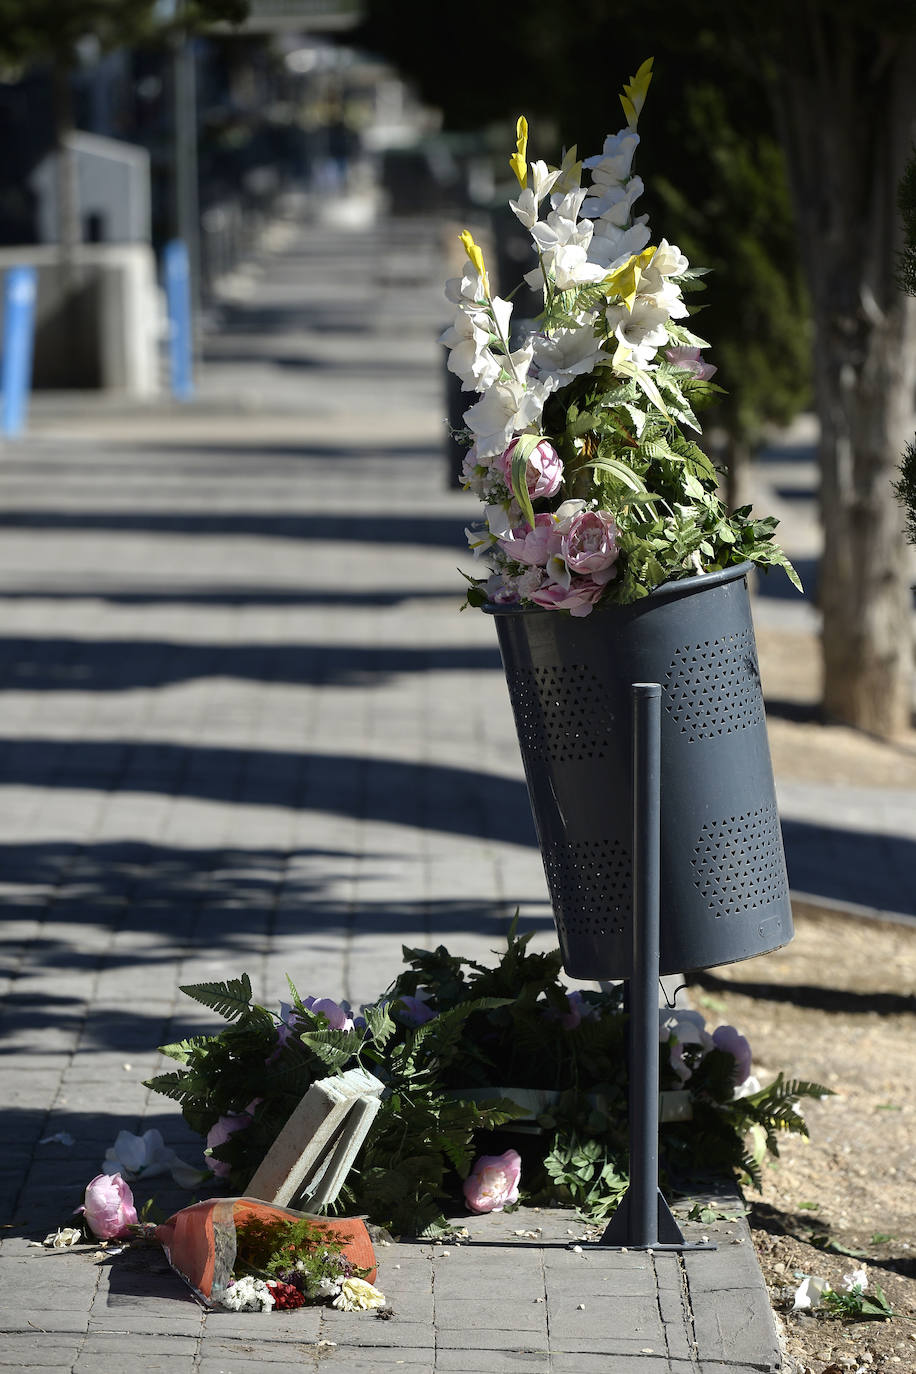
x: 248, y: 1295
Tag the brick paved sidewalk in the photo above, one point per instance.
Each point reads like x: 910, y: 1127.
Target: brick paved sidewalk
x: 246, y: 728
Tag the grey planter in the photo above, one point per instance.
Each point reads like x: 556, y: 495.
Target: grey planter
x: 724, y: 891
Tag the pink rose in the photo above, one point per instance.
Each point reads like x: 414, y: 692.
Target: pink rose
x: 689, y: 360
x: 728, y: 1039
x: 544, y: 473
x: 578, y: 598
x: 589, y: 545
x: 220, y: 1132
x: 492, y: 1184
x: 109, y: 1207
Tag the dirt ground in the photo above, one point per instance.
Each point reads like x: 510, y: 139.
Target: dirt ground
x: 837, y: 1006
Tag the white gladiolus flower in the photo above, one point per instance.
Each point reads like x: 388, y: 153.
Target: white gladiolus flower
x: 616, y: 158
x: 643, y: 329
x: 568, y: 265
x: 501, y: 412
x: 858, y: 1278
x: 540, y: 182
x: 470, y: 356
x: 567, y: 353
x: 611, y: 246
x: 615, y: 204
x: 667, y: 261
x: 467, y: 289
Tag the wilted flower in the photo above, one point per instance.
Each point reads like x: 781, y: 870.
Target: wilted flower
x: 144, y: 1156
x: 63, y: 1238
x: 493, y: 1182
x: 357, y: 1295
x: 809, y: 1292
x: 109, y: 1207
x: 856, y: 1280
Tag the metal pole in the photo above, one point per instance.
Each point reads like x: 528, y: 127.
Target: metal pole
x: 643, y: 1126
x: 644, y: 1221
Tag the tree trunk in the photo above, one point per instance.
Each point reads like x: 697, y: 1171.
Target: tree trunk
x: 847, y: 106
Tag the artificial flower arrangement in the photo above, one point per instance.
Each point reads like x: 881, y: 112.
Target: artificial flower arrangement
x: 452, y: 1040
x: 580, y: 442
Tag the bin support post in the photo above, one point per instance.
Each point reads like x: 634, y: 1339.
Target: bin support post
x: 644, y: 1221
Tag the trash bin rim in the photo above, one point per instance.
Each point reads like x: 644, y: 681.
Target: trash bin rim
x: 683, y: 586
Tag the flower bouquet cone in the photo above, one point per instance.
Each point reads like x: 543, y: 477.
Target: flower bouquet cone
x: 201, y: 1244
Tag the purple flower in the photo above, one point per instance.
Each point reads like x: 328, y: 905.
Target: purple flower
x: 727, y: 1038
x: 690, y: 360
x: 220, y: 1132
x: 578, y: 1010
x: 492, y: 1184
x: 414, y: 1011
x: 108, y: 1207
x: 337, y: 1013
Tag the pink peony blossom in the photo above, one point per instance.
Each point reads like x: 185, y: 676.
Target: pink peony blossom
x: 690, y: 360
x: 728, y: 1039
x: 589, y: 545
x: 109, y: 1207
x: 492, y: 1184
x: 578, y: 598
x: 533, y: 546
x: 544, y: 473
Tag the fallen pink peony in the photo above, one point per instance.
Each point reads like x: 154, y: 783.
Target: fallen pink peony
x: 492, y: 1184
x: 108, y: 1207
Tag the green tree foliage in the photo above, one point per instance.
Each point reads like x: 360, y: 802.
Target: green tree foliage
x: 714, y: 171
x: 51, y: 30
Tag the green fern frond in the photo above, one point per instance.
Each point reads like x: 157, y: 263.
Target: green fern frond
x: 229, y: 999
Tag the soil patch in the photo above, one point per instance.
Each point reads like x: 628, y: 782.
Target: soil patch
x: 838, y: 1007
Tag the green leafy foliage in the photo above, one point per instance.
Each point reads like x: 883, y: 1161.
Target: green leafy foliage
x: 857, y: 1306
x: 487, y: 1031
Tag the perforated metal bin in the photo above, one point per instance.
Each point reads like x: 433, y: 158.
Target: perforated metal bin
x: 724, y: 891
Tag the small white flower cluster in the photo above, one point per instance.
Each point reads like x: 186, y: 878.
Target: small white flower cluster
x: 811, y: 1290
x: 248, y: 1295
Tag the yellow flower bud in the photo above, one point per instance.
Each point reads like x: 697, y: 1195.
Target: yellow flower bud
x: 518, y: 161
x: 476, y: 256
x: 634, y: 95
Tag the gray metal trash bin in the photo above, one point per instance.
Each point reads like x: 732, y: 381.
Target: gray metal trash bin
x: 724, y: 891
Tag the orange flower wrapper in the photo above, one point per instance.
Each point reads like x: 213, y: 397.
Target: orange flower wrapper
x: 200, y: 1241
